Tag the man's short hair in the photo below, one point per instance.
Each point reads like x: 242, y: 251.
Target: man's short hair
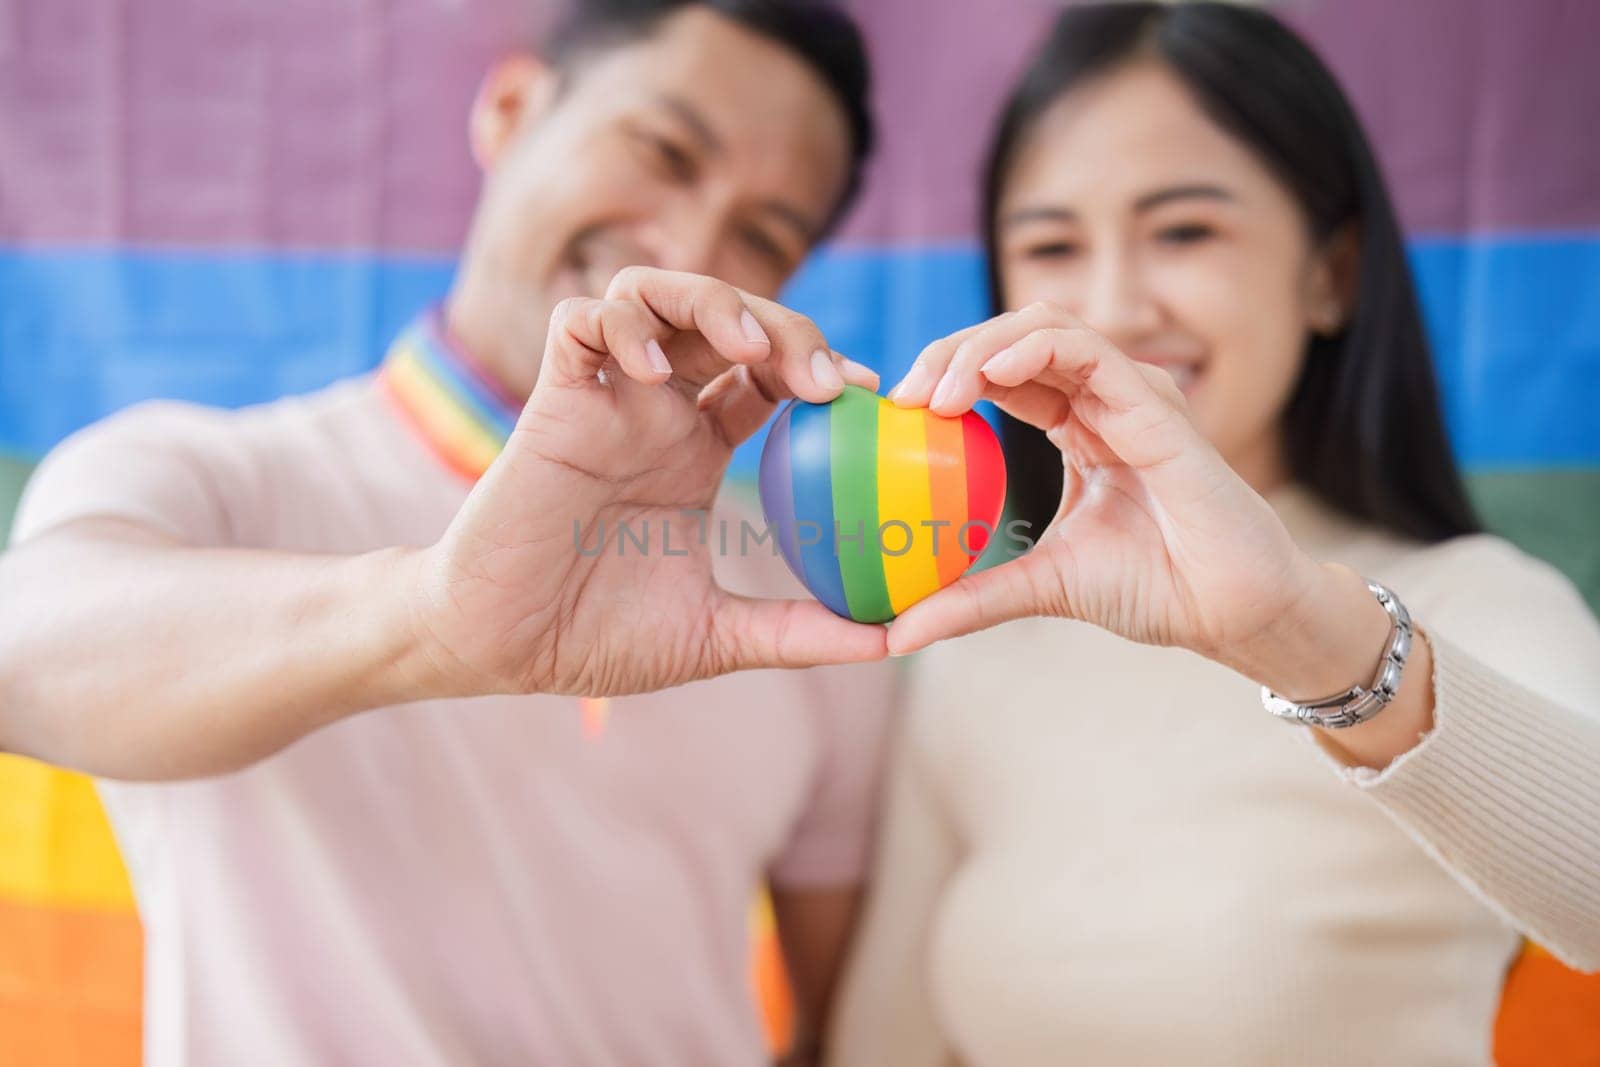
x: 820, y: 33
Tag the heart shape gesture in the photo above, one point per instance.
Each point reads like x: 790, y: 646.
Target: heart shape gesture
x: 875, y: 507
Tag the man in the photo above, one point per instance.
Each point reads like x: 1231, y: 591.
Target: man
x: 475, y: 876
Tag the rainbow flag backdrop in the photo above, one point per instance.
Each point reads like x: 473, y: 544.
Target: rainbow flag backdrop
x: 228, y: 202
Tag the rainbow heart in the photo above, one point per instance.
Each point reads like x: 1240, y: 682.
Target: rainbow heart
x: 875, y: 507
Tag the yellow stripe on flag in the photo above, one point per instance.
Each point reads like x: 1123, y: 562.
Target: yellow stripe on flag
x: 56, y: 846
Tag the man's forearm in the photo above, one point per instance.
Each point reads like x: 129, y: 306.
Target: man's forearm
x: 134, y: 658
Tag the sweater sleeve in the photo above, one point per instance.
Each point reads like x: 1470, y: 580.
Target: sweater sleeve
x: 1504, y: 791
x: 884, y: 1012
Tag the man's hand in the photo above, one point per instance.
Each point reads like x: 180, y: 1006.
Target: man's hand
x: 639, y: 404
x: 128, y: 652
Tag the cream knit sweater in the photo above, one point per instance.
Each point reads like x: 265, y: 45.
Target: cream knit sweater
x: 1104, y: 853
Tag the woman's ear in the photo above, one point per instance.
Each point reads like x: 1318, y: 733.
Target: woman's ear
x: 518, y: 89
x: 1332, y: 283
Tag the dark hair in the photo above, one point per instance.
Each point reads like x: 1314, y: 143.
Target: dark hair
x: 1364, y: 428
x: 822, y: 35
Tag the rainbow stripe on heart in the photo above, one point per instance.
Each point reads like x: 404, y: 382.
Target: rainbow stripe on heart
x: 860, y: 464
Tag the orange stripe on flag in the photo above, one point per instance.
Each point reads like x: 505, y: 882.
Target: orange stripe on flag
x: 1549, y: 1015
x: 770, y: 978
x: 594, y: 711
x: 70, y: 986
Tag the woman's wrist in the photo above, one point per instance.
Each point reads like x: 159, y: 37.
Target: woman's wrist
x: 1396, y: 729
x: 1331, y: 639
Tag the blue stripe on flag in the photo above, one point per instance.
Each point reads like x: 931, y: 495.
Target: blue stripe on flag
x: 84, y: 332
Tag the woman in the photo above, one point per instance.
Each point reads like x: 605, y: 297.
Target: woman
x: 1100, y: 848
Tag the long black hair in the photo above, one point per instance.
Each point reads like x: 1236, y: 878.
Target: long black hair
x: 1363, y: 426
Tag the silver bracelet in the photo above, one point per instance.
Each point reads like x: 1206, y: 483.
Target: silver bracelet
x: 1356, y: 705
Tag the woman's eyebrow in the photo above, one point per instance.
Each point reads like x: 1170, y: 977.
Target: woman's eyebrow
x: 1040, y: 213
x: 1150, y: 200
x: 1196, y: 191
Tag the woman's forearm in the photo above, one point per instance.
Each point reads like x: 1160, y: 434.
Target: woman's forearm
x: 128, y: 656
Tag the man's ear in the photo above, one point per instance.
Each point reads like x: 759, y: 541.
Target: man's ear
x: 1332, y: 285
x: 518, y: 89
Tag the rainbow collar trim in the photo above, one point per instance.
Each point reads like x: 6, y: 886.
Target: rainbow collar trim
x: 460, y: 413
x: 463, y: 416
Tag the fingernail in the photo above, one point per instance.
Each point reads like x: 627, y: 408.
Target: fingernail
x: 907, y: 382
x: 656, y: 358
x: 947, y: 388
x: 997, y: 361
x: 853, y: 365
x: 823, y: 370
x: 752, y: 329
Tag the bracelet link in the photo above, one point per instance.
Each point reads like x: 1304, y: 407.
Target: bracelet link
x: 1356, y: 704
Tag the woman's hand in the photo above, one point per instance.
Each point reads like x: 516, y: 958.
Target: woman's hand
x: 1156, y: 539
x: 640, y: 401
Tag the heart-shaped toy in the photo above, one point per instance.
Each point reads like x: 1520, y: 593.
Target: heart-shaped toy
x: 875, y: 507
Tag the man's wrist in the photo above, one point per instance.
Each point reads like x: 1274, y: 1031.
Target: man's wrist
x: 415, y: 665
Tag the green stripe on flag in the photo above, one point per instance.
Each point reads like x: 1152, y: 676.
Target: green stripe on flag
x: 1550, y: 513
x: 13, y: 476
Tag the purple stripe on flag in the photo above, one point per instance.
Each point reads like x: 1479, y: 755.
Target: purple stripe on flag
x: 1477, y: 107
x: 231, y: 123
x: 1483, y: 111
x: 309, y: 125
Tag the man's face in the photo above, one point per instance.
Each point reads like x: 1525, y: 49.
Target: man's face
x: 703, y: 147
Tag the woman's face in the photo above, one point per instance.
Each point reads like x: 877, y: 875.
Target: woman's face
x: 1130, y: 207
